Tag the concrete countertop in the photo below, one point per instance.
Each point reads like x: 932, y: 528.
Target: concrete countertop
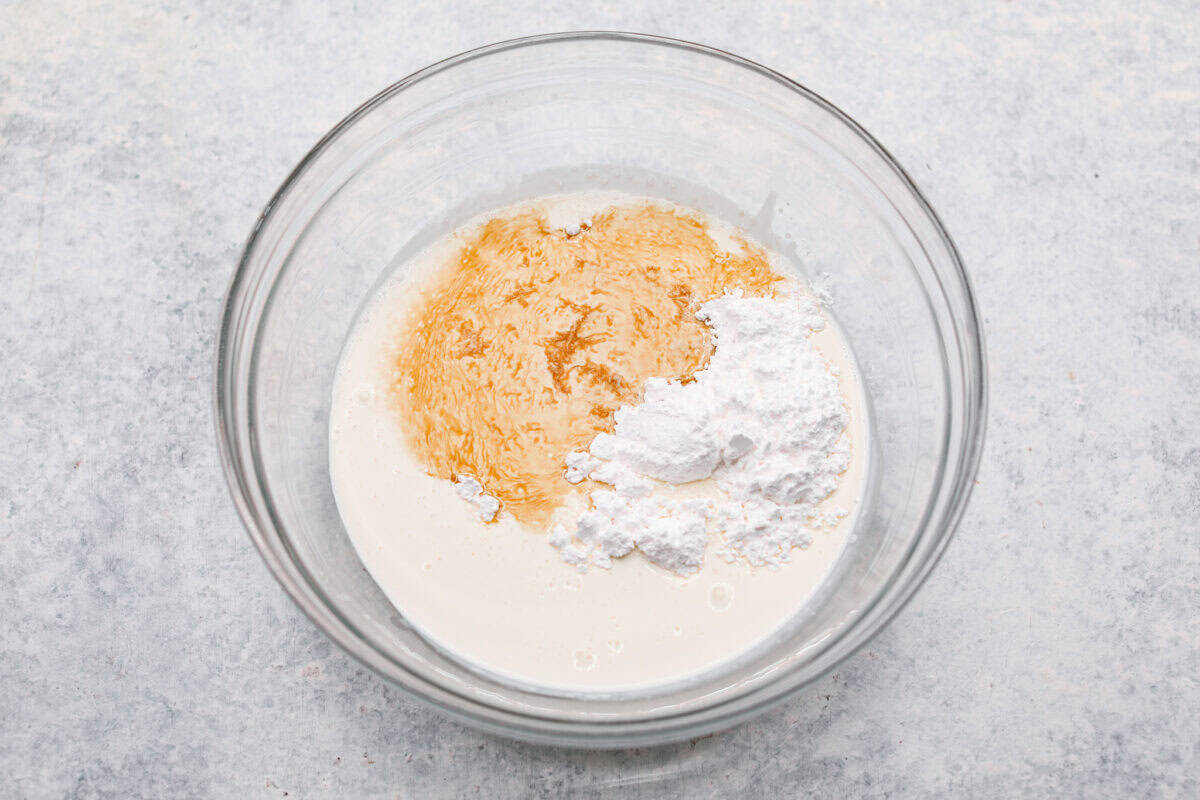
x: 146, y: 651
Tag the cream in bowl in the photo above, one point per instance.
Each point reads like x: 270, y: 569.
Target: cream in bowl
x: 597, y: 443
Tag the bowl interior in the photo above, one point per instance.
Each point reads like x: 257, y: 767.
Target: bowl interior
x: 649, y: 117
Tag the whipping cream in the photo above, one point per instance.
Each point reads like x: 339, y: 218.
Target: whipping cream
x: 498, y: 594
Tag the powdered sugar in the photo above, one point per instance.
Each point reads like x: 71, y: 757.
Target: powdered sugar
x: 471, y: 490
x: 765, y: 420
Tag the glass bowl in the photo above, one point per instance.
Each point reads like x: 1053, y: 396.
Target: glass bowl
x: 648, y: 116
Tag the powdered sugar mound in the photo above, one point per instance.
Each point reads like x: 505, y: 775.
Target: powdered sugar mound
x: 765, y: 420
x: 671, y: 533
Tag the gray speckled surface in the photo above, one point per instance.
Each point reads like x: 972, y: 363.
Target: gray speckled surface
x: 146, y: 651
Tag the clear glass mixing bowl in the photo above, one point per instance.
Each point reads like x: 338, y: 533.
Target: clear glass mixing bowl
x: 649, y: 116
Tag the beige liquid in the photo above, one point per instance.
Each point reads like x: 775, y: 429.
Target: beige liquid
x: 498, y: 595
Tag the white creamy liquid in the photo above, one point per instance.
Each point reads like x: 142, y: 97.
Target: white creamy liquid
x: 497, y: 595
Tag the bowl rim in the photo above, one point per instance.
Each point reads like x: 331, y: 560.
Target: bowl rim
x: 609, y: 733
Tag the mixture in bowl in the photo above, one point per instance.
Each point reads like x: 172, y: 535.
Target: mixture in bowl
x: 594, y: 442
